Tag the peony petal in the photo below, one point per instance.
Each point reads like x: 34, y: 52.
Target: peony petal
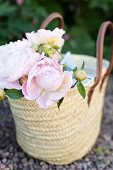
x: 55, y: 96
x: 24, y: 91
x: 47, y: 99
x: 67, y: 82
x: 42, y: 36
x: 5, y: 84
x: 65, y: 87
x: 43, y: 100
x: 31, y: 92
x: 33, y: 89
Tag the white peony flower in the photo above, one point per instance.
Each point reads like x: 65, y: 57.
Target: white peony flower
x: 4, y: 83
x: 42, y: 36
x: 49, y: 42
x: 16, y: 59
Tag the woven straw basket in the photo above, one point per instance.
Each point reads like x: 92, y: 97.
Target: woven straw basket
x: 61, y: 137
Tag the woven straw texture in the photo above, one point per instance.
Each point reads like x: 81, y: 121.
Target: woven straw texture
x: 59, y: 137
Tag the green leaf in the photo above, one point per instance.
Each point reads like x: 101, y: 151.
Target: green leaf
x: 14, y: 94
x: 80, y: 41
x: 83, y: 64
x: 6, y: 8
x: 60, y: 102
x: 75, y: 69
x: 101, y: 150
x: 81, y: 89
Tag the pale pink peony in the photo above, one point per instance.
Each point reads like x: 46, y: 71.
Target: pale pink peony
x: 47, y: 83
x: 16, y: 60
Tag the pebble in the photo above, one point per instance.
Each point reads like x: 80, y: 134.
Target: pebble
x: 44, y: 167
x: 31, y: 161
x: 37, y: 167
x: 24, y: 160
x: 10, y: 166
x: 21, y: 155
x: 4, y: 160
x: 20, y: 165
x: 5, y: 154
x: 2, y: 166
x: 59, y: 167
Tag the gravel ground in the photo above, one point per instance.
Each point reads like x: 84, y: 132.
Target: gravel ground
x: 101, y: 157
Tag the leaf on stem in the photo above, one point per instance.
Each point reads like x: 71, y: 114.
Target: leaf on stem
x: 75, y: 69
x: 83, y: 64
x: 60, y: 102
x: 81, y: 89
x: 14, y: 94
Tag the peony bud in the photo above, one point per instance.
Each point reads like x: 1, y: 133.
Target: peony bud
x: 35, y: 47
x: 80, y: 75
x: 2, y: 94
x: 47, y: 49
x: 52, y: 41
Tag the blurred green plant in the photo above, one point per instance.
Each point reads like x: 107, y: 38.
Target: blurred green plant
x: 101, y: 150
x: 82, y: 21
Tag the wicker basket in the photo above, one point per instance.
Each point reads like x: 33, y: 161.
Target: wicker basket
x: 61, y: 137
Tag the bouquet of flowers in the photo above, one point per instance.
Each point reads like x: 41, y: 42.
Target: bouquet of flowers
x: 34, y: 68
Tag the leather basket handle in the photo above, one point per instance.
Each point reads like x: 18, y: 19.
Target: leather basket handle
x: 99, y: 55
x: 50, y: 18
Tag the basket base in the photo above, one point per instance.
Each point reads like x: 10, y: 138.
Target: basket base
x: 69, y: 158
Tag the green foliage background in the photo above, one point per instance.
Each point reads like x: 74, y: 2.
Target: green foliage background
x: 82, y: 21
